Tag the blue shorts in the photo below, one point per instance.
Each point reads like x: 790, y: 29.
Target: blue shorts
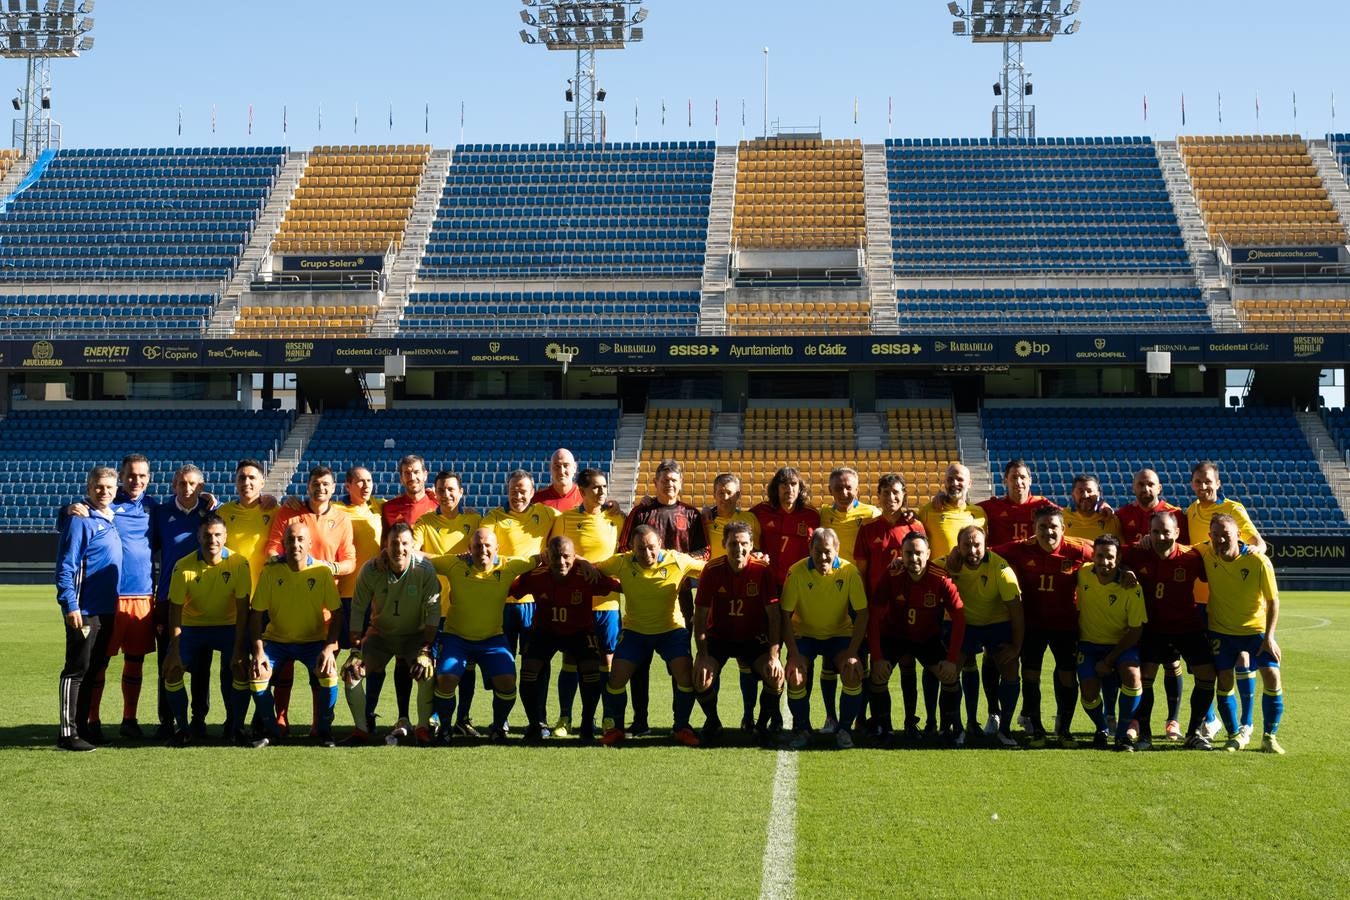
x: 198, y: 642
x: 1227, y: 647
x: 637, y: 648
x: 306, y: 654
x: 517, y: 623
x: 986, y: 638
x: 492, y: 655
x: 828, y: 648
x: 1090, y: 654
x: 607, y: 629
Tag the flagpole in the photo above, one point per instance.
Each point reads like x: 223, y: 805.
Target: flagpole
x: 766, y: 92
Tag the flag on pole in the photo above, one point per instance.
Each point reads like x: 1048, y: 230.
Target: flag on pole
x: 1183, y: 109
x: 691, y: 113
x: 283, y: 118
x: 855, y: 110
x: 635, y: 112
x: 356, y: 116
x: 391, y: 115
x: 1220, y: 107
x: 1295, y: 104
x: 717, y: 112
x: 426, y: 118
x: 1146, y: 107
x: 213, y: 118
x: 320, y: 118
x: 180, y: 121
x: 743, y: 112
x: 1258, y: 107
x: 663, y: 112
x: 890, y: 111
x: 250, y: 118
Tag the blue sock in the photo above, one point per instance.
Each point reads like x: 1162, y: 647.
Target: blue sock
x: 502, y: 704
x: 799, y: 704
x: 267, y: 711
x: 568, y: 680
x: 374, y: 684
x: 829, y: 685
x: 749, y: 693
x: 1173, y: 685
x: 1095, y: 713
x: 1228, y: 710
x: 1129, y: 706
x: 849, y: 706
x: 616, y: 705
x: 444, y: 705
x: 328, y: 697
x: 1212, y: 713
x: 1272, y: 709
x: 178, y: 704
x: 682, y: 705
x: 1008, y: 689
x: 1246, y: 691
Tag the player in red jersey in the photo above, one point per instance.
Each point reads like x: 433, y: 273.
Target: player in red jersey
x: 737, y: 616
x: 1047, y: 569
x: 1168, y: 571
x: 562, y: 492
x: 564, y: 592
x: 904, y: 623
x: 415, y: 501
x: 680, y: 526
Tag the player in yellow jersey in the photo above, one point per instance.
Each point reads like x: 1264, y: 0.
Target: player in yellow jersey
x: 1244, y: 608
x: 653, y: 622
x: 299, y: 599
x: 824, y: 606
x: 442, y: 535
x: 208, y: 613
x: 472, y: 631
x: 1111, y: 620
x: 1087, y: 517
x: 847, y: 513
x: 995, y: 626
x: 249, y: 519
x: 726, y: 509
x: 594, y: 528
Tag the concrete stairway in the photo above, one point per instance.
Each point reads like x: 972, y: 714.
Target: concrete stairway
x: 288, y: 457
x: 869, y: 430
x: 1333, y: 177
x: 974, y: 454
x: 880, y: 252
x: 1328, y: 457
x: 712, y: 315
x: 726, y: 431
x: 17, y: 172
x: 402, y: 275
x: 623, y: 474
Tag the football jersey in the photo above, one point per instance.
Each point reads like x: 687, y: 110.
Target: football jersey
x: 521, y: 535
x: 987, y: 589
x: 785, y: 535
x: 299, y: 604
x: 563, y: 608
x: 1169, y: 585
x: 88, y: 565
x: 651, y: 595
x: 478, y: 597
x: 246, y: 531
x: 819, y: 602
x: 1198, y: 517
x: 439, y: 535
x: 210, y: 594
x: 1048, y: 580
x: 738, y: 604
x: 1090, y: 526
x: 175, y: 536
x: 717, y: 529
x: 846, y: 524
x: 400, y: 605
x: 131, y: 518
x: 1107, y: 611
x: 679, y: 524
x: 550, y: 496
x: 595, y: 537
x: 912, y: 610
x: 1134, y: 521
x: 405, y: 509
x: 1239, y: 591
x: 878, y: 545
x: 1006, y: 521
x: 330, y: 533
x: 367, y: 536
x: 943, y: 525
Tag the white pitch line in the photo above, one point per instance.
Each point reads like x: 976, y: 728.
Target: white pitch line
x: 778, y: 878
x: 1318, y: 622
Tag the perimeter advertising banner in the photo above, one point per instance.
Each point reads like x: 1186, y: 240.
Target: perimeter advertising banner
x: 1309, y: 552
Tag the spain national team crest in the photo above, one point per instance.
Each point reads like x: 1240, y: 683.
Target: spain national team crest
x: 1179, y: 575
x: 752, y: 590
x: 577, y: 597
x: 801, y: 529
x: 1066, y: 567
x: 930, y: 600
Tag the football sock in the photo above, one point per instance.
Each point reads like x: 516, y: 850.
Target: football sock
x: 590, y: 698
x: 829, y: 688
x: 970, y: 689
x: 1145, y: 711
x: 1110, y: 691
x: 768, y: 706
x: 568, y: 681
x: 990, y: 680
x: 1202, y: 701
x: 707, y: 701
x: 1031, y: 701
x: 545, y: 679
x: 1173, y: 685
x: 1228, y: 710
x: 682, y: 705
x: 468, y: 685
x: 909, y: 691
x: 374, y: 687
x: 949, y: 703
x: 178, y: 703
x: 799, y: 704
x: 881, y: 707
x: 239, y: 697
x: 1008, y: 689
x: 1246, y: 691
x: 529, y: 697
x: 267, y: 710
x: 1066, y: 699
x: 402, y: 690
x: 1272, y: 709
x: 849, y: 706
x: 199, y: 689
x: 444, y: 705
x: 1095, y: 713
x: 133, y: 668
x: 426, y: 690
x: 930, y: 697
x: 616, y: 703
x: 357, y: 698
x: 1128, y: 708
x: 639, y: 687
x: 327, y: 695
x: 282, y: 683
x: 100, y: 678
x: 749, y: 690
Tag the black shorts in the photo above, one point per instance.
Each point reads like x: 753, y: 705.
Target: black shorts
x: 1062, y: 644
x: 928, y: 653
x: 1168, y: 648
x: 744, y: 652
x: 543, y: 645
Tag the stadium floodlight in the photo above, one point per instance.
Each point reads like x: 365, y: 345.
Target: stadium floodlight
x: 39, y: 31
x: 583, y: 27
x: 1014, y: 23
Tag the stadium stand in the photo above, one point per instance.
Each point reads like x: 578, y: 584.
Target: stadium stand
x: 553, y: 210
x: 158, y: 214
x: 1039, y: 205
x: 1337, y: 422
x: 304, y: 320
x: 544, y: 313
x: 96, y: 315
x: 798, y: 317
x: 1294, y: 314
x: 1052, y: 309
x: 922, y: 442
x: 1260, y: 189
x: 1339, y: 144
x: 481, y: 445
x: 1264, y: 459
x: 48, y: 453
x: 799, y: 194
x: 8, y: 157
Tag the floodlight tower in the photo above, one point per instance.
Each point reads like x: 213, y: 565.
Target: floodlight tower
x: 1013, y: 23
x: 584, y: 26
x: 39, y: 31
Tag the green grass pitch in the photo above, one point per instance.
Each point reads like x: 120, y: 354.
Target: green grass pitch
x: 658, y: 820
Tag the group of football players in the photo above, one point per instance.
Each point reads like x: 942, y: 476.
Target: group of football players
x: 960, y: 598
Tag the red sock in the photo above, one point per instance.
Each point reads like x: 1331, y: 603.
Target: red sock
x: 96, y: 693
x: 132, y: 670
x: 282, y: 681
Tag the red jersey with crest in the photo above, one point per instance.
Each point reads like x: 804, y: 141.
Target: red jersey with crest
x: 680, y: 525
x: 1134, y: 521
x: 739, y: 603
x: 1048, y: 580
x: 1006, y: 521
x: 913, y: 611
x: 562, y: 607
x: 878, y: 545
x: 1168, y: 584
x: 551, y: 496
x: 405, y: 509
x: 785, y: 534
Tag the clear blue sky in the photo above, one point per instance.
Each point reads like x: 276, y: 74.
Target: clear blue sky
x: 153, y: 56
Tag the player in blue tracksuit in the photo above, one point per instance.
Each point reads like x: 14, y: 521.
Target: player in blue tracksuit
x: 88, y: 568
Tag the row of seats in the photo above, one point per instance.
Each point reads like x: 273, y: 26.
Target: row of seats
x: 799, y: 317
x: 1019, y: 142
x: 541, y: 313
x: 798, y: 194
x: 1290, y: 314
